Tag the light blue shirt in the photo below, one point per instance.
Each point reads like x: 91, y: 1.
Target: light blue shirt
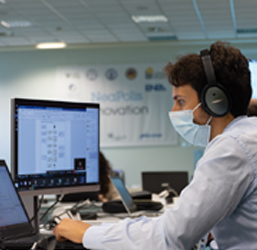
x: 221, y: 198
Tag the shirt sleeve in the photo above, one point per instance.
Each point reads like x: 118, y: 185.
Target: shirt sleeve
x: 220, y: 181
x: 92, y: 236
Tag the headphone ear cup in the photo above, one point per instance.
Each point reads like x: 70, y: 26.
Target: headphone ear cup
x: 215, y: 100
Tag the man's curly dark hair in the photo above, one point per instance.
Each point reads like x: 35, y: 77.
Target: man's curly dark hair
x: 231, y: 69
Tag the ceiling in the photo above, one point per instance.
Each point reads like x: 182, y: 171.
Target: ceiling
x: 109, y: 21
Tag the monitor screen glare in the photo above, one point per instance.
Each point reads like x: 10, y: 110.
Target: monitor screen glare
x: 55, y: 146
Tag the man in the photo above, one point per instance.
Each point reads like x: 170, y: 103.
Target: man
x: 211, y: 93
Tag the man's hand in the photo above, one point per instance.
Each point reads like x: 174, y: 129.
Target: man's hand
x: 69, y: 229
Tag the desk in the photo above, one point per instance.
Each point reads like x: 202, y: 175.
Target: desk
x: 103, y: 218
x: 60, y: 207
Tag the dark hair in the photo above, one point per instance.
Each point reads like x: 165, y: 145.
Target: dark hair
x: 231, y: 69
x: 105, y: 171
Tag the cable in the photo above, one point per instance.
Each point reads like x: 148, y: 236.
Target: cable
x: 171, y: 190
x: 39, y: 206
x: 70, y: 212
x: 166, y: 192
x: 46, y: 212
x: 47, y: 242
x: 34, y: 246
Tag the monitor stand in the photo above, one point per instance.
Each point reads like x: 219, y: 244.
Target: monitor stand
x: 31, y: 206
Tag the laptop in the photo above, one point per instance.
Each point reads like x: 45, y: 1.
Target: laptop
x: 156, y: 182
x: 16, y: 231
x: 127, y: 204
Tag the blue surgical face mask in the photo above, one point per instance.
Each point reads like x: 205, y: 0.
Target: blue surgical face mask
x: 182, y: 121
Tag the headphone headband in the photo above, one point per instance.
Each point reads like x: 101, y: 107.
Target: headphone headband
x: 208, y: 67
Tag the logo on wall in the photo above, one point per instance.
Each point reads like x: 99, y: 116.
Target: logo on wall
x: 73, y: 88
x: 131, y: 73
x: 154, y: 87
x: 111, y: 74
x: 116, y: 137
x: 75, y: 75
x: 151, y: 74
x: 149, y: 136
x: 91, y: 74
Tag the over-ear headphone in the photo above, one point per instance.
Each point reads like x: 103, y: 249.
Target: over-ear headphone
x: 215, y: 99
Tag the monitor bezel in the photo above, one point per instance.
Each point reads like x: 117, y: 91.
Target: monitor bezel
x: 94, y: 187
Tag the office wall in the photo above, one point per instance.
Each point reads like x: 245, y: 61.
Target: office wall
x: 31, y: 74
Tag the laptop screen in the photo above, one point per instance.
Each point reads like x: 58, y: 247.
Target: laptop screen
x: 13, y: 218
x: 11, y: 210
x: 124, y: 194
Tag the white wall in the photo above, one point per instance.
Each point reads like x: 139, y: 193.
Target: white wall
x: 31, y: 73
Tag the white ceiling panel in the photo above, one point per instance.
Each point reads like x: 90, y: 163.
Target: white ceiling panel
x: 14, y: 41
x: 184, y: 20
x: 121, y: 26
x: 190, y: 36
x: 146, y: 9
x: 99, y: 21
x: 216, y: 18
x: 120, y: 33
x: 133, y: 39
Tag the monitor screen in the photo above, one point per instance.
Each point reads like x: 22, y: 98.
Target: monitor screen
x: 55, y: 146
x: 156, y: 182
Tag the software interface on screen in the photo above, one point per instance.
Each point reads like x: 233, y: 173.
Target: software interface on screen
x: 56, y: 146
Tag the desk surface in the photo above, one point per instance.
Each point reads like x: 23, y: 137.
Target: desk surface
x: 103, y: 218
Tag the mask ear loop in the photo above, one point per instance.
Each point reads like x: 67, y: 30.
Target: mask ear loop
x: 197, y: 106
x: 209, y: 120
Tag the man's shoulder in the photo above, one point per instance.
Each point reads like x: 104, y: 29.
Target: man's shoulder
x: 240, y: 126
x: 238, y: 139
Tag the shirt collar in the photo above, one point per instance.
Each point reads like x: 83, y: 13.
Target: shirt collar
x: 233, y: 122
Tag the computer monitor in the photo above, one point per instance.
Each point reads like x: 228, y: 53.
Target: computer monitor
x: 54, y: 146
x: 156, y: 182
